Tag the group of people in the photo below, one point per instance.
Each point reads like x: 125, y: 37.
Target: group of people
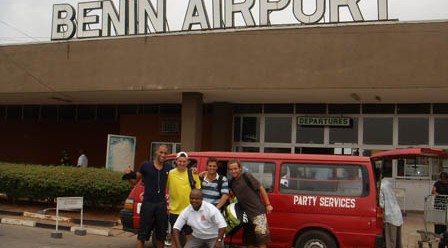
x: 81, y: 162
x: 195, y: 202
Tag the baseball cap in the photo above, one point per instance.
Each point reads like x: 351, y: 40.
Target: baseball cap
x: 182, y: 154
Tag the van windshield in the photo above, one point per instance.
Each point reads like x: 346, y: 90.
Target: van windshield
x: 324, y: 179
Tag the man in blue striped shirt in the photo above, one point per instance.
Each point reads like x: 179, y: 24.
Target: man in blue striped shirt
x: 215, y: 187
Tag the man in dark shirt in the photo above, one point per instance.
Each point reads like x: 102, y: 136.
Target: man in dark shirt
x: 153, y: 212
x: 256, y: 232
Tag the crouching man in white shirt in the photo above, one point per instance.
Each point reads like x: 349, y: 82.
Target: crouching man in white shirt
x: 205, y: 220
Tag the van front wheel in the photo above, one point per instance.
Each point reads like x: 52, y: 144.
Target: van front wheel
x: 315, y: 239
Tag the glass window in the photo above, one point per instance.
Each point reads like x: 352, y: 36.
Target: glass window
x: 323, y: 179
x: 277, y: 129
x: 378, y: 131
x: 106, y: 112
x: 150, y: 109
x: 422, y: 108
x: 418, y: 167
x: 67, y: 112
x: 378, y: 108
x: 277, y: 150
x: 247, y: 149
x: 49, y: 112
x: 279, y: 108
x: 251, y: 129
x: 346, y: 135
x: 31, y: 112
x: 237, y: 129
x: 440, y: 108
x: 264, y: 172
x: 310, y: 108
x: 14, y: 112
x: 441, y: 131
x: 413, y: 131
x: 248, y: 108
x: 344, y: 109
x: 2, y: 112
x: 127, y: 109
x: 310, y: 135
x: 86, y: 112
x: 170, y: 108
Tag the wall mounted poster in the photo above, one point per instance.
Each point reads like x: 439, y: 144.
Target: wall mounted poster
x: 120, y: 152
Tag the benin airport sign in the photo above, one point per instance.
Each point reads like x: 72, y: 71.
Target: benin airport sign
x: 323, y: 121
x: 130, y: 17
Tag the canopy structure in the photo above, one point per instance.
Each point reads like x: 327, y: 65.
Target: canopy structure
x: 409, y: 153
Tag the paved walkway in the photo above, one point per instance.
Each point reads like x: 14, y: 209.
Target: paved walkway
x: 413, y: 221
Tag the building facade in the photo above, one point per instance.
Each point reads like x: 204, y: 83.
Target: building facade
x: 352, y: 89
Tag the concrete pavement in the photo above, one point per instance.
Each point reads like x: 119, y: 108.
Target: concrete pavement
x: 413, y: 221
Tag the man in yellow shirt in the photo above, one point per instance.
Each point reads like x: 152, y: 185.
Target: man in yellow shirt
x: 180, y: 186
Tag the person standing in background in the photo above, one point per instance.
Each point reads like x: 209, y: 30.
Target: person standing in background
x: 440, y: 190
x: 393, y: 219
x: 65, y: 158
x: 82, y: 159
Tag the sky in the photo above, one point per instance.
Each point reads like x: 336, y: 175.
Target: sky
x: 25, y: 21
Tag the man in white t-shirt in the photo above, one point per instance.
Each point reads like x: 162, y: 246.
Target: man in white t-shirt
x: 205, y: 220
x: 82, y: 159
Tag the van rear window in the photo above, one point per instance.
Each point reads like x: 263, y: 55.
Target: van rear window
x: 323, y: 179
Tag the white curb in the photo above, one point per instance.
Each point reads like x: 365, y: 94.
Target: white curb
x: 19, y: 222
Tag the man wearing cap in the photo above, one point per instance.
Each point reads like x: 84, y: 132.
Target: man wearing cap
x: 180, y: 188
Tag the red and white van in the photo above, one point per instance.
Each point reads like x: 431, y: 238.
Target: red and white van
x: 319, y: 200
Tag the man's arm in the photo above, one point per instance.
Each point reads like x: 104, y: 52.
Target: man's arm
x: 264, y: 194
x: 176, y: 239
x: 131, y: 176
x: 221, y: 232
x: 222, y: 201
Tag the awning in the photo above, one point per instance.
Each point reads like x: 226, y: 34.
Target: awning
x: 409, y: 153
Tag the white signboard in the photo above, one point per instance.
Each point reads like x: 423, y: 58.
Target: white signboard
x: 69, y: 203
x: 120, y: 152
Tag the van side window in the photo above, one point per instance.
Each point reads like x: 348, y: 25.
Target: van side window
x: 264, y: 172
x: 323, y: 179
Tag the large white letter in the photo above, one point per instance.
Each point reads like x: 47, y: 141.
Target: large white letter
x: 308, y: 19
x: 196, y: 14
x: 146, y: 11
x: 243, y: 7
x: 64, y: 26
x: 266, y: 7
x: 84, y: 20
x: 383, y: 10
x: 217, y: 14
x: 352, y: 7
x: 111, y: 17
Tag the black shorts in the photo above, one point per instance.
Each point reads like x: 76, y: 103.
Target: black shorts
x: 186, y: 230
x: 153, y: 215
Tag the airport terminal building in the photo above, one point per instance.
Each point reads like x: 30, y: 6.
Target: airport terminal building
x: 333, y: 88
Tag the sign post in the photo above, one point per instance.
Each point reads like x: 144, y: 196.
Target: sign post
x: 68, y: 203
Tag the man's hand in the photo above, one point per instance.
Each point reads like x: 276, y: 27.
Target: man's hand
x: 128, y: 169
